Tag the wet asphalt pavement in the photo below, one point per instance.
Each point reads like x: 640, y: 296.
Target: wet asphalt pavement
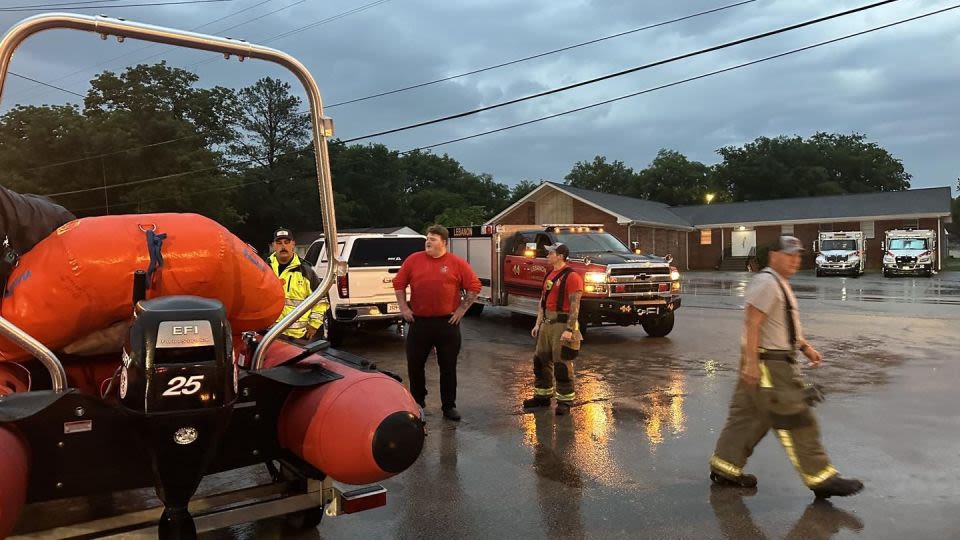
x: 631, y: 460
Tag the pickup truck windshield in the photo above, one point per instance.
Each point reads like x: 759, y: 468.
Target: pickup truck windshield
x: 908, y: 243
x: 838, y: 245
x: 369, y: 252
x: 591, y: 242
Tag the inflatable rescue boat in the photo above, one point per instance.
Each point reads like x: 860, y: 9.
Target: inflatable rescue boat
x: 187, y: 374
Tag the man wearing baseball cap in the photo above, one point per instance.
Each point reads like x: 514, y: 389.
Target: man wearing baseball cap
x: 771, y: 392
x: 557, y: 333
x: 299, y: 280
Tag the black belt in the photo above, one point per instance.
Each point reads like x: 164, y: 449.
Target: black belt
x: 561, y: 318
x: 785, y: 356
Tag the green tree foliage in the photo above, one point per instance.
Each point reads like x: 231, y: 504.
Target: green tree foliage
x: 673, y: 179
x: 601, y: 176
x: 824, y: 164
x: 521, y: 190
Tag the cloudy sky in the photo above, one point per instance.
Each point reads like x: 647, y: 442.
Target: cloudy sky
x: 898, y: 85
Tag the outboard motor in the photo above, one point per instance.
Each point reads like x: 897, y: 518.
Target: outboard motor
x: 178, y: 374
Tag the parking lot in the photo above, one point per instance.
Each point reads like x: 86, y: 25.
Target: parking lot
x: 631, y: 461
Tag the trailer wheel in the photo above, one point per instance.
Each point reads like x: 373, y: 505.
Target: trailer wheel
x: 304, y: 519
x: 659, y: 326
x: 474, y: 310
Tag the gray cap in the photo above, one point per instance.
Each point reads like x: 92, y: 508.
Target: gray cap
x: 560, y: 248
x: 788, y: 245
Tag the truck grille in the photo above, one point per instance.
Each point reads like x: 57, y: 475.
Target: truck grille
x: 906, y: 260
x: 638, y: 270
x: 836, y: 258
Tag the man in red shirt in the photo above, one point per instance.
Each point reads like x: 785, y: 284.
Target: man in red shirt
x: 436, y: 279
x: 557, y: 332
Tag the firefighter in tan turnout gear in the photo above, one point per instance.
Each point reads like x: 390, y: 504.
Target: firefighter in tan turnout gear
x: 299, y: 280
x: 771, y: 393
x: 557, y: 333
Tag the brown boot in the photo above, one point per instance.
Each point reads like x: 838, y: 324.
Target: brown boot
x: 743, y: 481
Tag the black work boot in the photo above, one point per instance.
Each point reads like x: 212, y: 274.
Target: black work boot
x: 536, y: 401
x: 743, y: 481
x: 452, y: 414
x: 838, y: 486
x: 563, y: 408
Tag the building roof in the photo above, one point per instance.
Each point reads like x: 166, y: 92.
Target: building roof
x: 631, y: 210
x: 914, y: 203
x: 908, y: 204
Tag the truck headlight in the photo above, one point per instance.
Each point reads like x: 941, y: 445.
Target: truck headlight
x: 595, y: 277
x: 924, y: 258
x: 820, y: 259
x: 674, y: 275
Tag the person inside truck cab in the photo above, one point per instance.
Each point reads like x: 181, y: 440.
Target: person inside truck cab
x: 299, y: 280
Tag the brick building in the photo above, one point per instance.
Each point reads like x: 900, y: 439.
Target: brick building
x: 724, y: 235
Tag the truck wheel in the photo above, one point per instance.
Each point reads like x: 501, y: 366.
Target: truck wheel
x: 856, y: 273
x: 659, y: 326
x: 475, y: 310
x: 819, y: 273
x: 333, y: 331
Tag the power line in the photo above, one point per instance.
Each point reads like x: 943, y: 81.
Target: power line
x: 597, y: 104
x: 540, y: 55
x: 108, y: 154
x: 304, y: 28
x: 683, y: 81
x: 50, y: 5
x: 151, y: 46
x: 726, y: 45
x: 213, y: 190
x: 148, y: 4
x: 368, y: 6
x: 46, y: 84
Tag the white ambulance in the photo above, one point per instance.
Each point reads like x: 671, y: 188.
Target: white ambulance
x: 841, y: 253
x: 910, y: 252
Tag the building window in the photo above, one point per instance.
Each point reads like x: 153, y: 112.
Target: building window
x: 867, y: 228
x: 786, y: 230
x: 706, y: 237
x: 826, y: 227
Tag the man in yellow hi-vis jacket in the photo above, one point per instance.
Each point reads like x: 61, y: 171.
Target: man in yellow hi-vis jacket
x: 299, y: 280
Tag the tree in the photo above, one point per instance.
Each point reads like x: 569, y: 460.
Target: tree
x: 521, y: 190
x: 469, y: 215
x: 824, y: 164
x: 673, y: 179
x: 272, y: 124
x: 954, y: 226
x: 601, y: 176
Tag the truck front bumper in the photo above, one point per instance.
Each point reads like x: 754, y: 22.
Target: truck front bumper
x: 626, y: 310
x: 908, y: 269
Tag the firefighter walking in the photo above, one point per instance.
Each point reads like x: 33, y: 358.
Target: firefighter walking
x: 557, y: 333
x: 299, y: 280
x: 771, y: 393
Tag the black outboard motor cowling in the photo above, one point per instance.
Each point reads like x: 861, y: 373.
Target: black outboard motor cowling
x: 178, y: 373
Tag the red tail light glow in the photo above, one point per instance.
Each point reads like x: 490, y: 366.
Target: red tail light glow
x: 343, y: 286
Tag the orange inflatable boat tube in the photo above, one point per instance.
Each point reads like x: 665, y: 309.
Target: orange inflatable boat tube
x: 79, y: 279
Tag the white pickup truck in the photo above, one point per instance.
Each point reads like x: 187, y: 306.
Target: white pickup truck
x: 364, y: 296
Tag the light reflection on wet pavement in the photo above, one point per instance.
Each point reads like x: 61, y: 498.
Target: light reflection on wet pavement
x: 630, y: 462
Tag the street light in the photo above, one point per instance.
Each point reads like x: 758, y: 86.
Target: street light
x: 710, y: 197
